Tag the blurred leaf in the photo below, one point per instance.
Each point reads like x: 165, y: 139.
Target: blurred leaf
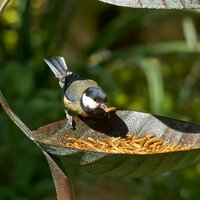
x: 104, y: 77
x: 116, y: 29
x: 155, y: 49
x: 15, y: 118
x: 190, y: 32
x: 66, y: 14
x: 23, y: 177
x: 191, y: 79
x: 5, y: 193
x: 24, y: 43
x: 12, y: 74
x: 155, y: 83
x: 130, y: 22
x: 41, y: 188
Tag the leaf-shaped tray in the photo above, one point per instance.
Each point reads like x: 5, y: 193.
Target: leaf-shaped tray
x: 53, y: 138
x: 159, y: 4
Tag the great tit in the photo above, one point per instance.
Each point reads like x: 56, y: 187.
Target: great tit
x: 82, y: 96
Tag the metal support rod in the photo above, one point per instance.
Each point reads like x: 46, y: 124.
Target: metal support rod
x: 63, y: 185
x: 3, y: 6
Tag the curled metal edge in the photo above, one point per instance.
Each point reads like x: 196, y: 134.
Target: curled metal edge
x: 50, y: 137
x: 53, y: 138
x: 3, y: 6
x: 63, y: 185
x: 119, y: 124
x: 15, y: 118
x: 157, y: 4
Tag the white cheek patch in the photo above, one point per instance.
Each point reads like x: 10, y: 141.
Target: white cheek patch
x: 89, y: 102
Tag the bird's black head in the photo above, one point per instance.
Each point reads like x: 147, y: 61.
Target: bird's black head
x: 93, y: 100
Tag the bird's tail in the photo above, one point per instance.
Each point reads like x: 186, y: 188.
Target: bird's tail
x: 58, y: 66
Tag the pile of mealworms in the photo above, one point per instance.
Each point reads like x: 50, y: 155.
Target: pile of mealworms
x: 131, y: 144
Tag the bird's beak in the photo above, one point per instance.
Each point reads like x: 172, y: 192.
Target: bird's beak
x: 104, y: 107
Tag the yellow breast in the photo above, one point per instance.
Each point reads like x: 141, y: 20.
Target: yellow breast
x: 78, y: 87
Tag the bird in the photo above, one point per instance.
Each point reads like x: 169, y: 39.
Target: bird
x: 82, y: 96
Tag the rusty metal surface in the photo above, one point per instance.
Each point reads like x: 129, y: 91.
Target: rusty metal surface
x: 158, y: 4
x: 63, y: 185
x: 52, y: 139
x: 64, y: 188
x: 54, y: 136
x: 119, y: 124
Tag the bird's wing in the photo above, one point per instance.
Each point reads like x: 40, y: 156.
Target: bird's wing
x: 77, y: 88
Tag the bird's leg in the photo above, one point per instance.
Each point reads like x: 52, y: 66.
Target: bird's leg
x: 70, y: 120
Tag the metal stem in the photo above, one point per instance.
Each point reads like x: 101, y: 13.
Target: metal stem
x: 63, y: 185
x: 3, y: 6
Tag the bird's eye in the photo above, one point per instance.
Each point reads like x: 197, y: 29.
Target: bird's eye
x: 95, y: 99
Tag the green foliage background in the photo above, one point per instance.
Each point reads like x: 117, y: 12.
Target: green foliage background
x: 146, y: 60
